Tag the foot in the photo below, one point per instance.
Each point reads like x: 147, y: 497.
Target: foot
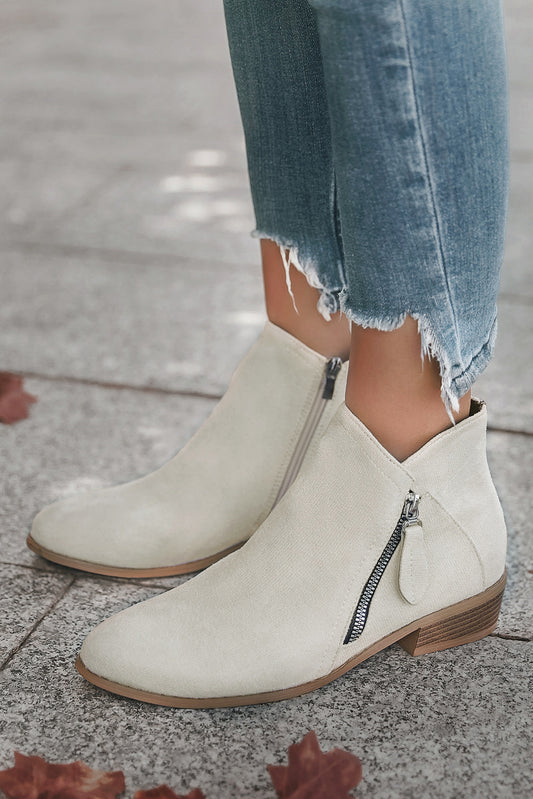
x: 217, y: 490
x: 362, y: 551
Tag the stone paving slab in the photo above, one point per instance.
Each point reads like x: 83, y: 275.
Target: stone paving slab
x: 175, y: 153
x: 182, y: 325
x: 516, y: 272
x: 26, y: 596
x: 518, y: 18
x: 511, y: 464
x: 37, y: 192
x: 156, y: 67
x: 455, y: 721
x: 199, y: 96
x: 507, y: 383
x: 79, y: 438
x: 165, y: 32
x: 198, y: 213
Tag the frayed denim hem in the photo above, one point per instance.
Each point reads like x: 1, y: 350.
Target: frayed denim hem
x: 328, y: 302
x: 453, y: 386
x: 455, y: 380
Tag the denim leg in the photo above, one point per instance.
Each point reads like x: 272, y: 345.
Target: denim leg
x: 418, y: 113
x: 277, y: 66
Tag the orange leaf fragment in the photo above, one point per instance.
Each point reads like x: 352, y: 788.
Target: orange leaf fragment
x: 164, y: 792
x: 34, y: 778
x: 14, y: 401
x: 313, y: 774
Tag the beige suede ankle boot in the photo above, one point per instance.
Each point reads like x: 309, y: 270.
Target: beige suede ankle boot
x: 217, y: 490
x: 361, y: 552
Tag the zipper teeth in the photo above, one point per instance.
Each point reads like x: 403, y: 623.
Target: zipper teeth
x: 313, y: 420
x: 359, y: 618
x: 302, y: 445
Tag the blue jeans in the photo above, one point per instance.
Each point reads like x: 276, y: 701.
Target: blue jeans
x: 376, y: 135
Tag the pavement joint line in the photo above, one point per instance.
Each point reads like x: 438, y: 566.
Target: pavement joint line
x: 86, y: 381
x: 36, y: 624
x: 148, y: 259
x: 48, y: 569
x: 177, y: 392
x: 138, y: 582
x: 510, y: 637
x: 60, y: 250
x: 109, y: 255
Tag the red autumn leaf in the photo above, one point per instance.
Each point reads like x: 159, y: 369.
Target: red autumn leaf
x: 312, y: 774
x: 14, y: 400
x: 164, y: 792
x: 34, y: 778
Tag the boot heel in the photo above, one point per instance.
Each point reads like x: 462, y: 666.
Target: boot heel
x: 462, y: 623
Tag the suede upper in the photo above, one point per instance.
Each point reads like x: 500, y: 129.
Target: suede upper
x: 275, y: 613
x: 219, y: 488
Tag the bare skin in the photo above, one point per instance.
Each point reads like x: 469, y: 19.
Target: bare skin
x: 390, y: 389
x: 394, y: 393
x: 308, y: 325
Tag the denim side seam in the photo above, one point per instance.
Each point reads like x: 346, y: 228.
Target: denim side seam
x: 463, y: 381
x: 430, y: 184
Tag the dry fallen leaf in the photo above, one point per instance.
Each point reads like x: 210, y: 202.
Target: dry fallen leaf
x: 312, y: 774
x: 14, y: 401
x: 34, y: 778
x: 164, y: 792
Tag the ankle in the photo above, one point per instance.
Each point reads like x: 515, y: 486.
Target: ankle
x: 393, y: 392
x: 402, y: 429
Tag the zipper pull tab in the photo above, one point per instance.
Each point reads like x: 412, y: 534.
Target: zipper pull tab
x: 333, y: 367
x: 410, y: 510
x: 414, y: 569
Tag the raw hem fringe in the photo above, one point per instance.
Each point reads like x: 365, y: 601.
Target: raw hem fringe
x: 430, y: 348
x: 328, y: 302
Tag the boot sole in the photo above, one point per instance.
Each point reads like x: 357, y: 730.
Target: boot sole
x: 461, y: 623
x: 119, y: 571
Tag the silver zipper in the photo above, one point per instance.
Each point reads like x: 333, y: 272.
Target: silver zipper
x: 408, y: 517
x: 324, y: 393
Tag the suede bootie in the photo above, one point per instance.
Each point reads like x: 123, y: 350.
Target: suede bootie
x: 217, y: 490
x: 361, y: 552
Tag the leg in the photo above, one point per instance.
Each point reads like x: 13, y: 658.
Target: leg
x: 365, y: 550
x: 393, y: 392
x: 417, y: 102
x: 278, y: 72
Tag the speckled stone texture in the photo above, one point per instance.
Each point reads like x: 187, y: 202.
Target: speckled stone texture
x: 27, y: 596
x: 125, y: 261
x: 161, y: 300
x: 440, y: 721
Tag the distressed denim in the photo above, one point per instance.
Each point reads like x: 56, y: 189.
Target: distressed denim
x: 376, y: 136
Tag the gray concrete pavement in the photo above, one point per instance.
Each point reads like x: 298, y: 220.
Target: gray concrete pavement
x: 129, y: 287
